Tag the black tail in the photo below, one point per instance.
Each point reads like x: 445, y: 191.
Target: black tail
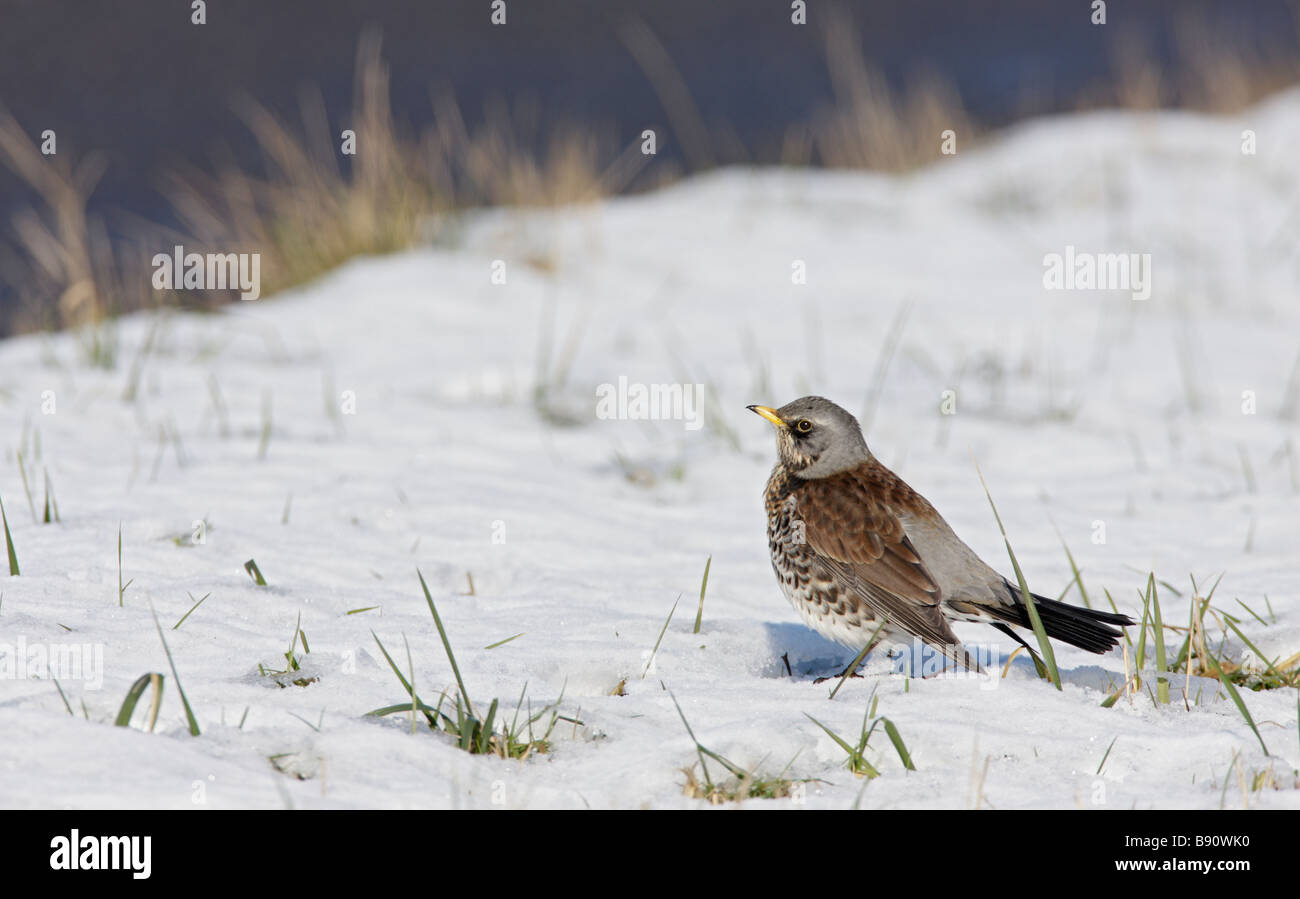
x: 1085, y: 628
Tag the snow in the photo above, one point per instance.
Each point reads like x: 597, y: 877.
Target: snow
x: 1086, y: 411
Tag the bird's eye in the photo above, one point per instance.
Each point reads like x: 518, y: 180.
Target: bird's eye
x: 803, y: 426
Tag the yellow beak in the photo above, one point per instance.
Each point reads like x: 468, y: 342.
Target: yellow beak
x: 769, y: 414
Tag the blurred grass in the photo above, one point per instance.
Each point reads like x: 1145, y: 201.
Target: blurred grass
x: 310, y: 209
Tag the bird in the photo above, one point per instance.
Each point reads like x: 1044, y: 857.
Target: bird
x: 863, y: 557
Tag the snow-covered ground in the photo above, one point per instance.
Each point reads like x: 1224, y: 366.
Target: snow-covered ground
x: 407, y: 432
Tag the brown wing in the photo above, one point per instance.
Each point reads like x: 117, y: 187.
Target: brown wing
x: 849, y: 524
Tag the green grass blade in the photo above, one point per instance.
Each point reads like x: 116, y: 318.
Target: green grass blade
x: 897, y: 739
x: 121, y: 587
x: 67, y: 705
x: 1114, y: 608
x: 1140, y: 657
x: 9, y: 543
x: 504, y: 642
x: 485, y: 732
x: 731, y: 767
x: 834, y: 736
x: 1044, y: 645
x: 51, y: 504
x: 704, y: 585
x: 446, y: 644
x: 1078, y: 578
x: 22, y: 470
x: 1162, y: 683
x: 855, y: 755
x: 154, y: 680
x: 1252, y: 613
x: 699, y: 748
x: 255, y: 573
x: 404, y: 708
x: 1107, y: 755
x: 189, y: 713
x: 1224, y: 794
x: 862, y: 654
x: 1238, y: 701
x: 406, y: 685
x: 654, y: 652
x: 177, y: 625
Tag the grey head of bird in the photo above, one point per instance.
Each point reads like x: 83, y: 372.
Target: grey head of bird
x: 816, y: 438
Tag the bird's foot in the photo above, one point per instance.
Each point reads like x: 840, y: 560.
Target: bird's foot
x: 845, y: 673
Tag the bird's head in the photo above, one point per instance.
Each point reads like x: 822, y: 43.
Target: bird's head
x: 816, y: 438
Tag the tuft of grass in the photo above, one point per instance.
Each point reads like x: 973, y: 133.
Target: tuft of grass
x: 189, y: 713
x: 9, y: 543
x: 155, y: 682
x: 738, y: 789
x: 704, y: 585
x: 1275, y: 670
x: 475, y: 734
x: 1197, y: 651
x: 740, y: 785
x: 857, y: 752
x: 193, y: 537
x: 857, y: 758
x: 255, y: 573
x: 1197, y: 657
x: 1048, y: 669
x: 283, y: 676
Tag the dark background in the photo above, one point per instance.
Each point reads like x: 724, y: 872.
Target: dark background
x: 136, y: 81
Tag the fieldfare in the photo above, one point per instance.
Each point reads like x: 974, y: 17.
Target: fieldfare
x: 852, y: 546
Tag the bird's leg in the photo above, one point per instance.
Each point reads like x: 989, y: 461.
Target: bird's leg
x: 847, y: 672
